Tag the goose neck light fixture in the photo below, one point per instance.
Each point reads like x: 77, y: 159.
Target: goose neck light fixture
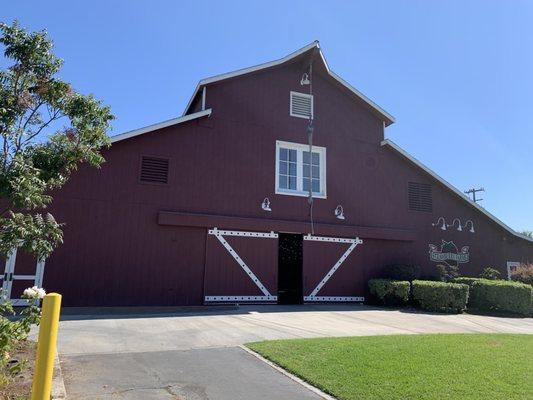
x: 339, y: 212
x: 265, y: 205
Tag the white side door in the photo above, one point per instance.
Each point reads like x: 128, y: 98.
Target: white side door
x: 11, y: 279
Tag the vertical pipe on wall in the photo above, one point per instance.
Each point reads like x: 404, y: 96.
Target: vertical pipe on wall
x: 203, y: 98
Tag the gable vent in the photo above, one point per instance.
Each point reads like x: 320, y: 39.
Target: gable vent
x: 154, y: 170
x: 420, y: 197
x: 301, y: 105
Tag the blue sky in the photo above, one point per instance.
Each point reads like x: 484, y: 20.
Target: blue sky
x: 457, y: 75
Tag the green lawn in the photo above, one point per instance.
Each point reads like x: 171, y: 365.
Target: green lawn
x: 463, y: 366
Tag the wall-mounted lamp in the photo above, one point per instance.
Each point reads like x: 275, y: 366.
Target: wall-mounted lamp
x: 443, y: 226
x: 339, y: 212
x: 459, y: 227
x: 305, y: 80
x: 265, y: 205
x: 471, y: 226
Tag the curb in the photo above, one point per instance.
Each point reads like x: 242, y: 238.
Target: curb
x: 58, y: 385
x: 288, y: 374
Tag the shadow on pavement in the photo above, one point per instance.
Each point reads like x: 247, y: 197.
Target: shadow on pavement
x: 91, y: 313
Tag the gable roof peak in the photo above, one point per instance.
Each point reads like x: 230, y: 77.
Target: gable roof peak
x: 387, y: 118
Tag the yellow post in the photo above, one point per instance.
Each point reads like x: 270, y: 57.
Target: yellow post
x: 46, y: 348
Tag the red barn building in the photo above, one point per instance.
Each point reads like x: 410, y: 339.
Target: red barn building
x: 214, y: 206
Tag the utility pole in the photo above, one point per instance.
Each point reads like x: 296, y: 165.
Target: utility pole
x: 473, y: 192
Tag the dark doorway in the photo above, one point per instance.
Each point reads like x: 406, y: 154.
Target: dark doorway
x: 290, y: 269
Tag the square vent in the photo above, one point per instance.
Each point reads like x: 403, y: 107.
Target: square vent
x: 154, y: 170
x: 420, y: 197
x: 301, y: 105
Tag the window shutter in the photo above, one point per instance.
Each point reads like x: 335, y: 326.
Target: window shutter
x: 154, y: 170
x: 301, y: 105
x: 420, y: 197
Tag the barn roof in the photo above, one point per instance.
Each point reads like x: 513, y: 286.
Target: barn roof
x: 387, y: 118
x: 159, y: 125
x: 390, y: 144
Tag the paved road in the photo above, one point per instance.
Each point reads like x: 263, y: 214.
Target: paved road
x: 194, y: 355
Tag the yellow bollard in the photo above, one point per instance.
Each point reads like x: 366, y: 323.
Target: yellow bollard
x: 46, y: 348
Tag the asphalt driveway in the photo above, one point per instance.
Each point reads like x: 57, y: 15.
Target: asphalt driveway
x: 194, y: 355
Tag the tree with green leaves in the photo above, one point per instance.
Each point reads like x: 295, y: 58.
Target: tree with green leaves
x: 527, y: 233
x: 47, y: 130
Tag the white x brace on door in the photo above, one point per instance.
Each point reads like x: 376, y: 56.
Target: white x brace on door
x: 314, y: 294
x: 9, y: 277
x: 219, y: 234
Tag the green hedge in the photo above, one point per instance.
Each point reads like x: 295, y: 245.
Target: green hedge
x: 389, y: 292
x: 466, y: 280
x: 504, y: 296
x: 440, y: 296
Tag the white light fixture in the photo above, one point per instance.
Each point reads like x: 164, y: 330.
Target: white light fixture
x: 339, y: 212
x: 471, y: 226
x: 305, y: 80
x: 459, y: 228
x: 265, y: 205
x: 443, y: 226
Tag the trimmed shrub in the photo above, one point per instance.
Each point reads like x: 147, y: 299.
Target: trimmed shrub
x: 440, y: 296
x: 401, y: 272
x: 468, y: 280
x: 490, y: 273
x: 503, y: 296
x: 389, y: 292
x: 523, y: 273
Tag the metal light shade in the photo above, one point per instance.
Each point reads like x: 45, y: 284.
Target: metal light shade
x: 265, y: 205
x: 339, y: 212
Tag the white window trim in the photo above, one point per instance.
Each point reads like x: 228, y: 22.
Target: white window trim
x: 303, y: 95
x: 300, y: 148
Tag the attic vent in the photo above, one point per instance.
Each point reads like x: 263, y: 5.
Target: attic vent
x: 154, y: 170
x: 301, y: 105
x: 420, y: 197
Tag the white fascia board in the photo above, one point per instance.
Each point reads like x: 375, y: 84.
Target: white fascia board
x: 391, y: 144
x: 274, y: 63
x: 164, y: 124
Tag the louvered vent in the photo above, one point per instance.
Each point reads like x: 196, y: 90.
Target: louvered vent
x: 301, y: 105
x: 420, y: 197
x: 154, y: 170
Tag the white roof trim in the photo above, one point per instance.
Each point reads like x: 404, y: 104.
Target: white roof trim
x: 164, y: 124
x: 394, y: 146
x: 259, y: 67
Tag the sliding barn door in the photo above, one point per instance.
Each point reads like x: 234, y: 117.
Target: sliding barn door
x: 241, y: 266
x: 331, y: 270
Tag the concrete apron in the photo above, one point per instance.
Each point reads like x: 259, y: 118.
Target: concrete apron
x: 194, y: 355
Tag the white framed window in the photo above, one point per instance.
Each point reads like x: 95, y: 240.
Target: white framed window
x: 301, y: 105
x: 296, y: 169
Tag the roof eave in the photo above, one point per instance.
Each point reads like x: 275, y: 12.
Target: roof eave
x: 160, y: 125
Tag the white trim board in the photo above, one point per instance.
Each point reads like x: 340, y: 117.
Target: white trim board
x: 394, y: 146
x: 160, y: 125
x: 389, y: 119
